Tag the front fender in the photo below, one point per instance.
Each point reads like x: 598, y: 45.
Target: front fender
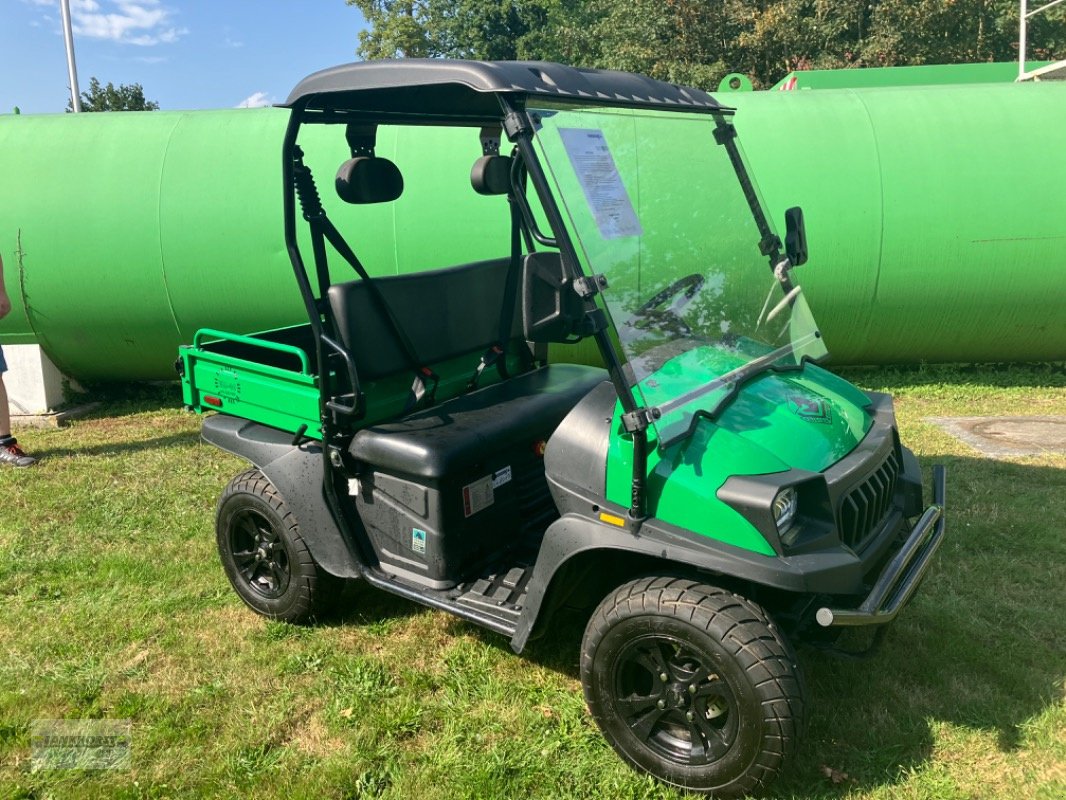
x: 829, y: 572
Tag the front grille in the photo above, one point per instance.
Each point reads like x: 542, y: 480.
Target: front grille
x: 865, y: 505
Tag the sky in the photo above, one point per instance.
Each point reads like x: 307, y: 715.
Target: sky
x: 187, y: 54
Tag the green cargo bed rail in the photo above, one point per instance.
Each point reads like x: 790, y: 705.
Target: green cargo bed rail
x: 305, y: 366
x: 272, y: 378
x: 266, y: 377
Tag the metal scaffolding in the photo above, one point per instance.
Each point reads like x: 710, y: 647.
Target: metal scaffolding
x: 1056, y: 70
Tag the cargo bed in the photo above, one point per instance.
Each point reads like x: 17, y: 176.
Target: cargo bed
x: 272, y: 377
x: 269, y: 377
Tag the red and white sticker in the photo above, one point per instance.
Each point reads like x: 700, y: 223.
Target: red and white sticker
x: 477, y: 496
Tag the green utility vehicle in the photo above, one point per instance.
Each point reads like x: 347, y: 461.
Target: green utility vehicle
x: 709, y: 494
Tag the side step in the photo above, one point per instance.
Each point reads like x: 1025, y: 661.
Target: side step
x: 492, y: 600
x: 500, y: 594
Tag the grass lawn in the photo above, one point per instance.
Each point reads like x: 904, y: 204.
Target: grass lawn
x: 113, y: 605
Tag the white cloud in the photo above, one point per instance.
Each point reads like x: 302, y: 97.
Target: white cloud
x: 256, y: 100
x: 144, y: 23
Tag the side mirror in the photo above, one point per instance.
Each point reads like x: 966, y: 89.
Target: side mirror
x: 551, y: 310
x: 795, y: 236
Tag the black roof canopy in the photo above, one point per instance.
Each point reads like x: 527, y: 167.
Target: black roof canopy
x: 452, y: 88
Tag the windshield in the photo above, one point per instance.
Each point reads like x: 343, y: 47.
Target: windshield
x: 653, y: 202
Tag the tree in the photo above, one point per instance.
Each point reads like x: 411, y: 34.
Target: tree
x: 697, y: 42
x: 126, y: 97
x: 479, y: 29
x: 682, y: 41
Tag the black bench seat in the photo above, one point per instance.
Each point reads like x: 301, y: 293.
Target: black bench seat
x: 455, y: 435
x: 446, y: 490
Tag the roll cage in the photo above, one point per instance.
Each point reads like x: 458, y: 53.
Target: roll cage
x: 492, y: 96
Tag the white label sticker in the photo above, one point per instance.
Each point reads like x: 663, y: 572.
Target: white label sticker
x: 353, y: 486
x: 604, y: 191
x: 500, y: 477
x: 477, y: 496
x: 418, y: 540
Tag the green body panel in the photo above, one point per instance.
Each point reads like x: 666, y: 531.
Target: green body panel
x: 805, y: 422
x: 929, y: 210
x: 925, y: 75
x: 806, y: 419
x: 387, y: 398
x: 281, y: 398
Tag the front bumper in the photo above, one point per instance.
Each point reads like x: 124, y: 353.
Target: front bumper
x: 902, y: 575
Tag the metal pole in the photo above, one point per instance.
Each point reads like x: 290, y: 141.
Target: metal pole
x: 1023, y: 32
x: 1022, y: 19
x: 72, y: 70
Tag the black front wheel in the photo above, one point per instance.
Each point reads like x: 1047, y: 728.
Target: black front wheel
x: 692, y: 684
x: 264, y: 556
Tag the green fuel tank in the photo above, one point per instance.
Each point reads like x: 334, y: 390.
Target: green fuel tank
x: 122, y: 234
x: 931, y: 215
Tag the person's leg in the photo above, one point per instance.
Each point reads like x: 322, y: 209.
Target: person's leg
x: 10, y: 452
x: 5, y: 412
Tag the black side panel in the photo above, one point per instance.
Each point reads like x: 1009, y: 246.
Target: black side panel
x: 831, y: 572
x: 296, y: 472
x: 424, y: 531
x: 576, y: 457
x: 910, y: 481
x: 449, y: 489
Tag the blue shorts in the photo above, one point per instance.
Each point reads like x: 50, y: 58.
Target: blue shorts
x: 3, y: 363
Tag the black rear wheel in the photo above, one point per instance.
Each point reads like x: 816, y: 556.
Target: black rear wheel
x: 264, y: 556
x: 692, y: 684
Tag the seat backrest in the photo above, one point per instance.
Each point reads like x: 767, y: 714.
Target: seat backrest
x: 445, y: 313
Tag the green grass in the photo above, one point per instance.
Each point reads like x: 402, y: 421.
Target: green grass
x: 113, y: 605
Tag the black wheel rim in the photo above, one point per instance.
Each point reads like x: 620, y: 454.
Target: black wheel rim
x: 259, y: 554
x: 673, y: 700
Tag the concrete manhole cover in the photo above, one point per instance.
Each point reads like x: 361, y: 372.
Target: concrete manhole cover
x: 1008, y: 436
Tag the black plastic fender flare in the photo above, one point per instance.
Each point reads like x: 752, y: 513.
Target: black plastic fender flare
x: 296, y: 472
x: 571, y: 535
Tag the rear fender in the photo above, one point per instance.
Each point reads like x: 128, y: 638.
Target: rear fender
x: 296, y: 472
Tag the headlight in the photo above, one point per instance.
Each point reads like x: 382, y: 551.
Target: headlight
x: 784, y: 507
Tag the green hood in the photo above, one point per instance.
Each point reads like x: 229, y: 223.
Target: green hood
x: 805, y: 419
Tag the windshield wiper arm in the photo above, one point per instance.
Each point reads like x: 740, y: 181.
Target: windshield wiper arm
x: 734, y: 379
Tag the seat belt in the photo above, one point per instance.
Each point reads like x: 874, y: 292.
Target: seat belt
x: 497, y: 353
x: 425, y: 382
x: 322, y: 230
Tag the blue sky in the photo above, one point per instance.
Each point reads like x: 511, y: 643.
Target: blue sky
x: 186, y: 54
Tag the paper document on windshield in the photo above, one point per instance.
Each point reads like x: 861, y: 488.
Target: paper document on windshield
x: 606, y: 195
